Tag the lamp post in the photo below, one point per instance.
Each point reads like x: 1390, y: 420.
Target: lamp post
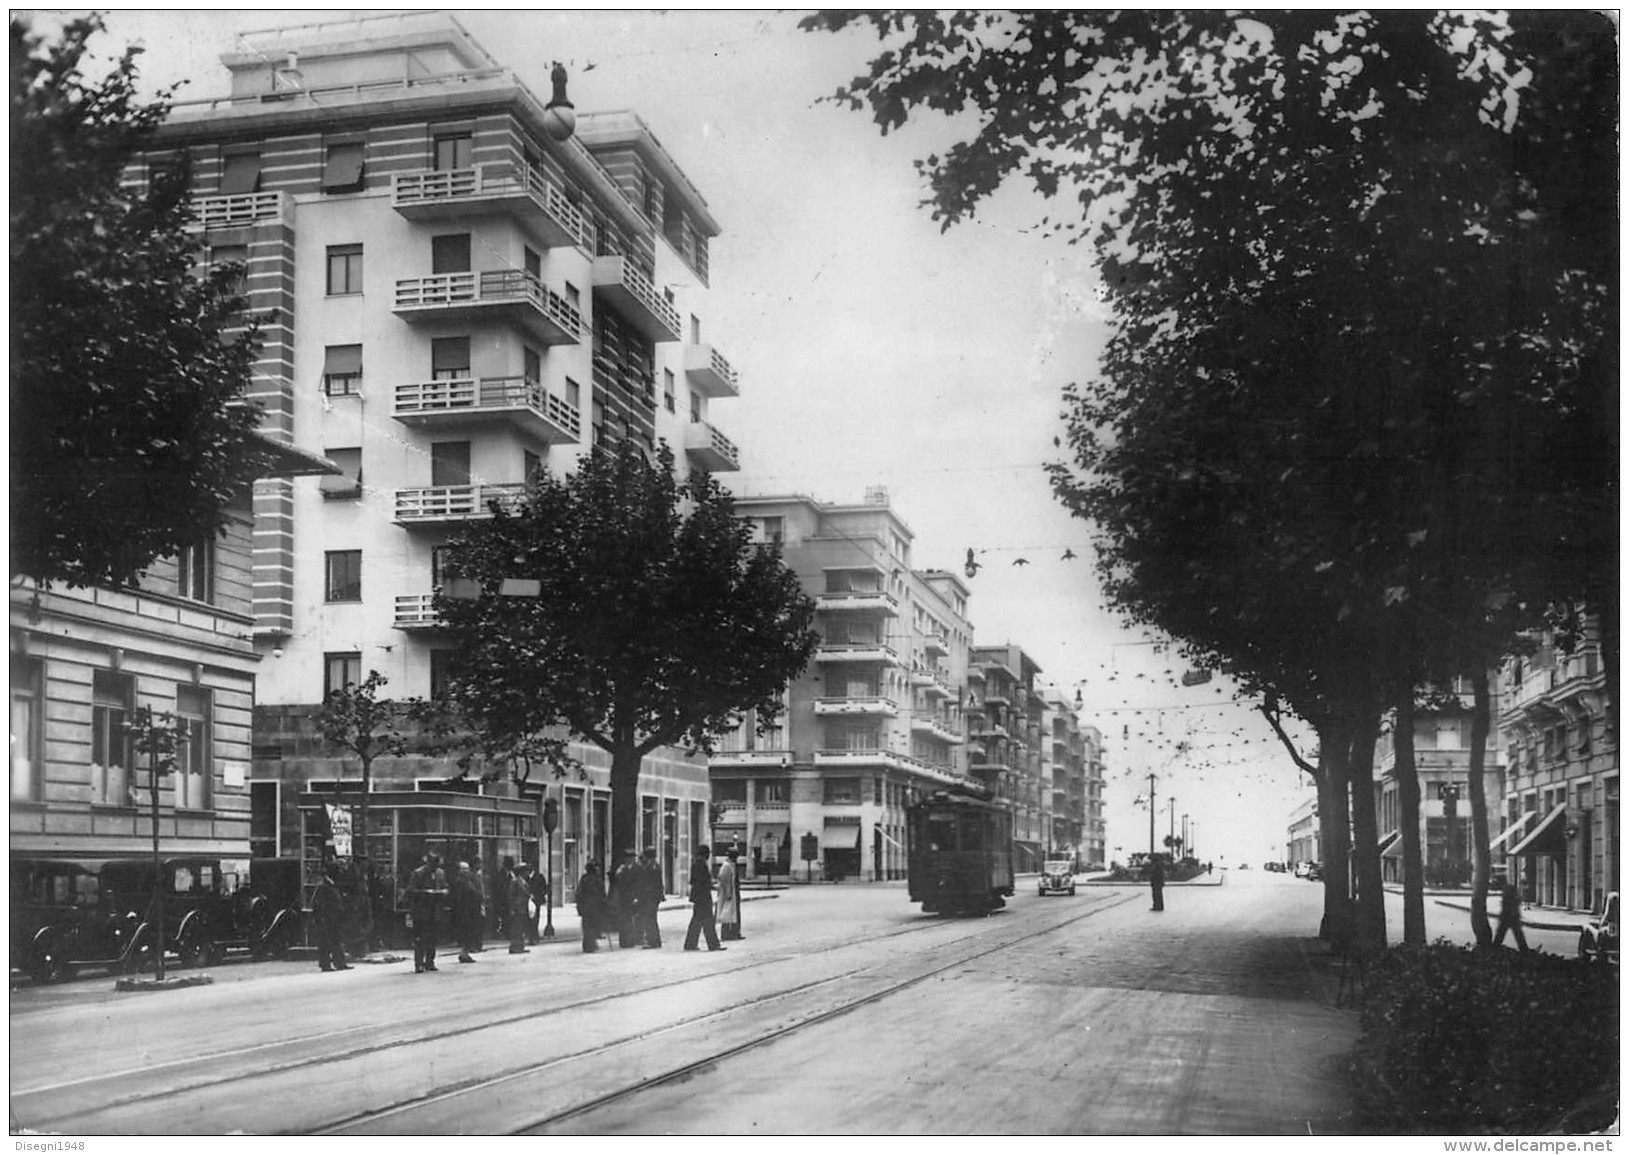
x: 551, y: 819
x: 1151, y: 808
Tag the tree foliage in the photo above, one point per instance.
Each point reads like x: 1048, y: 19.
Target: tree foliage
x: 1356, y: 418
x: 655, y: 620
x: 129, y: 434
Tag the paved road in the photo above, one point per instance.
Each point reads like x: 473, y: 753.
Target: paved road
x: 844, y: 1011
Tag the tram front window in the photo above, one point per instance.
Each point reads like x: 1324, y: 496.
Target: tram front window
x: 942, y: 832
x: 972, y: 832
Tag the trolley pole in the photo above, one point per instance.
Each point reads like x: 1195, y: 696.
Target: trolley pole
x: 1151, y: 816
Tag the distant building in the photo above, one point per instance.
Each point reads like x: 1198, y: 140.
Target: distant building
x: 1561, y: 832
x: 1303, y: 838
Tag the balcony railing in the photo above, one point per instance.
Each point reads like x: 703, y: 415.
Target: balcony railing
x: 750, y: 758
x: 857, y: 652
x: 710, y: 449
x: 938, y: 728
x: 707, y: 369
x: 443, y: 503
x: 417, y: 612
x: 469, y: 398
x: 496, y: 187
x: 510, y: 294
x: 857, y: 705
x: 867, y: 601
x: 936, y: 645
x: 235, y: 210
x: 627, y: 287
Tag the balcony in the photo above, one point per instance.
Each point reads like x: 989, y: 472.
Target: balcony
x: 447, y: 504
x: 631, y: 292
x: 939, y: 729
x: 236, y: 210
x: 506, y: 295
x: 936, y: 646
x: 502, y: 187
x: 709, y: 449
x: 974, y: 674
x: 859, y: 601
x: 869, y: 706
x: 750, y: 759
x: 868, y: 652
x: 417, y: 612
x: 467, y: 400
x: 709, y: 372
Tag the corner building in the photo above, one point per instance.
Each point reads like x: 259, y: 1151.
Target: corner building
x: 878, y: 717
x: 454, y: 299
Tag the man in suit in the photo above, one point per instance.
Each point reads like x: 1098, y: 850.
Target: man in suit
x: 701, y: 902
x: 426, y: 890
x: 649, y: 893
x: 327, y: 911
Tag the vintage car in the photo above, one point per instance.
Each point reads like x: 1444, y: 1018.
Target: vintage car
x: 61, y: 917
x: 1057, y: 877
x: 1598, y: 940
x: 210, y: 907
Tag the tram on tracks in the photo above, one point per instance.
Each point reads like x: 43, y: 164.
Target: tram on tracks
x: 959, y: 852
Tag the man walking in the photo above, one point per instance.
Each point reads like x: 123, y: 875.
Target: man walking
x: 1156, y: 880
x: 327, y: 911
x: 426, y: 888
x: 729, y: 898
x: 649, y: 892
x: 467, y: 915
x: 538, y: 884
x: 701, y: 902
x: 1510, y: 916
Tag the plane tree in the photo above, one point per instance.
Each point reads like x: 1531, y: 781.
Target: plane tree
x: 626, y: 608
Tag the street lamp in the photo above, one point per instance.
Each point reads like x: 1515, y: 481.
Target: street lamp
x: 551, y: 820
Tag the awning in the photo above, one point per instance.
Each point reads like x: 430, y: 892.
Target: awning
x: 342, y: 169
x: 1548, y: 837
x: 840, y: 835
x: 1391, y: 846
x: 1512, y: 830
x: 241, y: 173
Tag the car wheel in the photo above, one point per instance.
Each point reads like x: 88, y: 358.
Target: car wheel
x: 1071, y: 892
x: 47, y: 963
x: 194, y: 947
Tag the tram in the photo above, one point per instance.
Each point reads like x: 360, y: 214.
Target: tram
x: 959, y: 852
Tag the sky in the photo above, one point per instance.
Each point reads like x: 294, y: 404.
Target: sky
x: 874, y: 349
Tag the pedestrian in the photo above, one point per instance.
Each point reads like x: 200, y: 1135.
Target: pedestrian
x: 1510, y: 915
x: 478, y: 869
x: 426, y: 889
x: 701, y: 902
x: 538, y: 884
x: 649, y: 892
x: 623, y: 899
x: 327, y: 911
x: 591, y: 906
x: 729, y: 897
x: 467, y: 915
x: 517, y: 917
x: 1156, y: 880
x: 506, y: 875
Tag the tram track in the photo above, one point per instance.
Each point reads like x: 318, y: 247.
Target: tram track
x: 185, y: 1087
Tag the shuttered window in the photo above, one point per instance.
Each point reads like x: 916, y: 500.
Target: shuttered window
x: 240, y: 173
x: 342, y: 167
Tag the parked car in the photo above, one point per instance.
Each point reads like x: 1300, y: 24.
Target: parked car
x: 210, y: 907
x: 1301, y: 869
x: 1057, y: 877
x: 1315, y: 872
x: 62, y: 917
x: 1598, y: 940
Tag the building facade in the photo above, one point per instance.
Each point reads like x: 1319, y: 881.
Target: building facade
x: 1560, y: 833
x: 1095, y: 835
x: 457, y: 298
x: 876, y: 720
x: 1303, y: 837
x: 1005, y: 709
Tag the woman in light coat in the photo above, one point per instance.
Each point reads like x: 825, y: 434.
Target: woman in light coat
x: 729, y: 899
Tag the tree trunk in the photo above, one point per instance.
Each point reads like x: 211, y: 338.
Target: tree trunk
x: 1408, y: 820
x: 1481, y: 721
x: 1371, y: 895
x: 1333, y: 751
x: 625, y: 761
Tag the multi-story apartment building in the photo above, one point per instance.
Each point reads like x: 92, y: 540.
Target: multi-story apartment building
x: 458, y: 294
x: 1303, y: 836
x: 1560, y: 832
x: 1064, y: 769
x: 878, y: 717
x: 1095, y: 835
x: 1442, y: 761
x: 1004, y: 733
x: 180, y: 643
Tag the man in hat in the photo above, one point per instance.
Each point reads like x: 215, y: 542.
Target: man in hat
x: 466, y: 912
x: 624, y: 898
x: 426, y: 890
x: 327, y: 911
x: 649, y: 892
x: 519, y: 895
x: 701, y: 902
x: 729, y: 897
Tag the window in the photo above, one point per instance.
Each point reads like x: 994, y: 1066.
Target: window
x: 240, y: 173
x: 195, y: 571
x: 695, y: 329
x: 772, y: 791
x: 111, y: 696
x: 344, y: 270
x: 342, y: 168
x: 841, y: 791
x: 449, y: 463
x: 530, y: 463
x: 342, y: 370
x: 531, y: 364
x: 224, y: 256
x: 27, y: 726
x: 339, y: 671
x: 770, y: 529
x: 455, y: 150
x: 532, y: 263
x: 441, y: 665
x: 344, y: 575
x: 574, y: 393
x: 345, y: 485
x: 449, y: 358
x: 193, y: 758
x: 598, y: 422
x: 668, y: 391
x: 440, y: 557
x: 574, y: 296
x: 449, y: 253
x: 264, y: 810
x: 695, y: 406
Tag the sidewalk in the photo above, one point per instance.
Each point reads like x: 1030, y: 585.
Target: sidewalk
x: 1538, y: 917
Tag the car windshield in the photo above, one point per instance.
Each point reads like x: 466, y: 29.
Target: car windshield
x: 1057, y: 868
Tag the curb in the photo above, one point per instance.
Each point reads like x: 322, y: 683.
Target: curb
x: 168, y: 984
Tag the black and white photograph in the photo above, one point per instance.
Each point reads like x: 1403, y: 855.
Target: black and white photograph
x: 1079, y: 546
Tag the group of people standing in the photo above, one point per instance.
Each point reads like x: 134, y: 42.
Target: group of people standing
x: 627, y: 904
x: 470, y: 902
